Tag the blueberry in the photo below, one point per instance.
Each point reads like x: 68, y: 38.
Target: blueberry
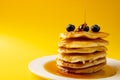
x: 70, y: 28
x: 95, y: 28
x: 83, y: 27
x: 86, y: 28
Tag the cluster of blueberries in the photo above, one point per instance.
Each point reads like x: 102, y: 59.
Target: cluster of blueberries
x: 83, y: 27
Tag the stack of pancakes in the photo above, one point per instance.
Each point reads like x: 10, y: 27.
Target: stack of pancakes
x: 82, y: 52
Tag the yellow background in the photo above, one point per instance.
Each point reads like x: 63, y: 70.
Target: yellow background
x: 30, y: 29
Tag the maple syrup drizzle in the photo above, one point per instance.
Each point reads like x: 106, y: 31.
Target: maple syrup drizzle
x: 85, y: 11
x: 107, y: 71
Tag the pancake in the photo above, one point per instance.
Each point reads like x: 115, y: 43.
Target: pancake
x: 81, y: 50
x: 80, y: 64
x: 83, y: 34
x: 80, y: 43
x: 81, y: 57
x: 83, y: 70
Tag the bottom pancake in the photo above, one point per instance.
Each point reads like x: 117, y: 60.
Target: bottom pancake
x: 91, y: 69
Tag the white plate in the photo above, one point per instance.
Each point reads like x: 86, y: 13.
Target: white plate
x: 37, y: 67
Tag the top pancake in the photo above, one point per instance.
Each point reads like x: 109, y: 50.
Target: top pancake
x: 83, y: 34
